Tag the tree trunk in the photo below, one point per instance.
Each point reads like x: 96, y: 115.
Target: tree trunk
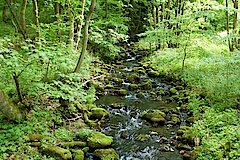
x: 15, y: 19
x: 85, y: 36
x: 154, y: 17
x: 157, y: 14
x: 227, y: 27
x: 72, y: 21
x: 4, y: 13
x: 36, y: 17
x: 22, y: 16
x: 163, y: 11
x: 80, y: 25
x: 57, y: 9
x: 234, y: 41
x: 168, y: 7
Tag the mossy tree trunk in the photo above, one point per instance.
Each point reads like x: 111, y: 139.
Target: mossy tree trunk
x: 15, y: 20
x: 235, y: 28
x: 72, y: 22
x: 4, y: 13
x: 227, y: 27
x: 80, y: 25
x: 36, y: 17
x: 23, y: 17
x: 85, y: 36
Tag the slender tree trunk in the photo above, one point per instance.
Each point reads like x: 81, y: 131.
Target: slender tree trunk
x: 106, y: 13
x: 85, y: 36
x: 15, y: 77
x: 168, y: 7
x: 163, y: 11
x: 227, y: 27
x: 234, y: 41
x: 154, y: 17
x: 157, y: 14
x: 72, y: 21
x: 81, y: 24
x: 36, y: 17
x: 4, y: 13
x: 23, y: 17
x: 15, y: 19
x: 58, y: 20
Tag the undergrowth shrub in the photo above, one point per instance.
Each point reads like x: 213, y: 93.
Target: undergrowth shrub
x: 13, y: 136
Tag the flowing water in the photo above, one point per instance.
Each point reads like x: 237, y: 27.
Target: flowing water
x: 134, y: 138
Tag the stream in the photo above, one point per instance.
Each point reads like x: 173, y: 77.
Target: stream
x: 133, y: 90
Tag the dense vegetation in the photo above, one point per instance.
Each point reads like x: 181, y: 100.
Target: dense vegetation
x: 53, y: 53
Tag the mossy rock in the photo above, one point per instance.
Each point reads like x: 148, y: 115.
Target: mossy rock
x: 38, y: 137
x: 173, y: 91
x: 74, y: 144
x: 85, y: 149
x: 122, y: 92
x: 98, y: 113
x: 107, y: 154
x: 117, y: 80
x: 142, y: 137
x: 155, y: 116
x: 153, y: 73
x: 146, y: 85
x: 57, y: 152
x: 99, y: 140
x: 78, y: 155
x: 142, y: 71
x: 117, y: 105
x: 100, y: 88
x: 133, y: 78
x: 161, y: 92
x: 109, y: 86
x: 175, y: 120
x: 36, y: 144
x: 179, y: 87
x: 140, y: 95
x: 8, y: 109
x: 133, y: 86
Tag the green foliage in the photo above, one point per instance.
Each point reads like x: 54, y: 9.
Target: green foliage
x: 109, y: 28
x: 220, y: 135
x: 13, y: 137
x: 209, y: 66
x: 212, y: 71
x: 64, y: 134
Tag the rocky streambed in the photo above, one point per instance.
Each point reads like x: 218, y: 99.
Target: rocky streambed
x: 148, y: 113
